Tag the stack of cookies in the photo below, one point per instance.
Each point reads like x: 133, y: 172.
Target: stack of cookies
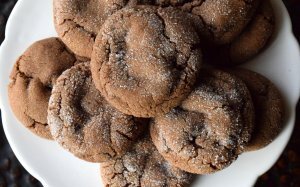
x: 124, y: 85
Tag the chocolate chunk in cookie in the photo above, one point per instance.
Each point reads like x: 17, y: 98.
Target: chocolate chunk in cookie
x: 83, y: 122
x: 211, y: 127
x: 146, y: 60
x: 32, y: 79
x: 143, y: 166
x: 269, y: 108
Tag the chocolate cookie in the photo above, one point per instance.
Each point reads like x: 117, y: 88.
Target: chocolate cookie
x: 83, y: 122
x: 32, y: 78
x: 252, y: 40
x: 223, y: 20
x: 211, y: 127
x: 218, y: 21
x: 78, y: 22
x: 255, y: 36
x: 146, y: 59
x: 143, y: 166
x: 269, y: 108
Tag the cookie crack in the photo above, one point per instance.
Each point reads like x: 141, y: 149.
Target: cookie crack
x: 19, y: 71
x: 35, y: 122
x: 207, y: 26
x: 124, y: 135
x: 164, y: 33
x: 179, y: 67
x: 78, y: 26
x: 190, y: 5
x: 112, y: 142
x: 89, y: 156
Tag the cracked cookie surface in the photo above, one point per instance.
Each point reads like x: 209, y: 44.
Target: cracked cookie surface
x: 211, y: 127
x: 146, y: 59
x: 32, y: 78
x: 78, y: 22
x: 223, y: 20
x: 143, y: 166
x: 268, y: 105
x: 250, y: 42
x: 83, y: 122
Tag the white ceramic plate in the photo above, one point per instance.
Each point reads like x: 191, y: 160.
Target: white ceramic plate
x: 31, y: 20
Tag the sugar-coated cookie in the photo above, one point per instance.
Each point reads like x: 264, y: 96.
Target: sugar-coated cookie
x: 83, y: 122
x: 221, y: 20
x: 146, y: 59
x: 268, y: 105
x: 143, y: 166
x: 249, y: 43
x: 78, y: 22
x: 211, y: 127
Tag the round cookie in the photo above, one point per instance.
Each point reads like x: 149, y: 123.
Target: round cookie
x: 32, y: 78
x: 269, y: 108
x: 83, y: 122
x: 223, y: 20
x: 143, y: 166
x: 78, y: 22
x: 211, y: 127
x: 146, y: 60
x: 253, y: 39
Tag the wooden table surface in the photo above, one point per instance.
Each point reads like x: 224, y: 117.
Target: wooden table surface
x: 285, y: 173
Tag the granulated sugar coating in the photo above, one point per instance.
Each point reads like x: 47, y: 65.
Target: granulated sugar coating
x: 249, y: 43
x: 269, y: 108
x: 146, y: 59
x: 223, y: 19
x: 211, y: 127
x: 79, y: 21
x: 83, y: 122
x: 255, y: 36
x: 143, y: 166
x: 123, y: 86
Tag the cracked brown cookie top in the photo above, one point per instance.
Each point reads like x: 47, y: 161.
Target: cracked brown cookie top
x: 143, y: 166
x: 252, y: 40
x: 211, y: 127
x: 83, y: 122
x: 255, y: 36
x: 32, y: 78
x: 269, y: 108
x: 79, y: 21
x: 146, y: 59
x: 223, y: 20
